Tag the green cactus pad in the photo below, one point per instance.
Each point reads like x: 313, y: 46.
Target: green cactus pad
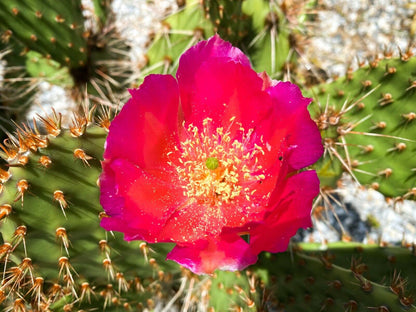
x: 367, y: 122
x: 54, y: 29
x: 52, y: 240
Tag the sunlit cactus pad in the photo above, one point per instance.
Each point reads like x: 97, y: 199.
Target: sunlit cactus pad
x: 367, y: 121
x: 53, y: 251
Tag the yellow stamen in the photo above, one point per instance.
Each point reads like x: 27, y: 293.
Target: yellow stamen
x: 216, y: 169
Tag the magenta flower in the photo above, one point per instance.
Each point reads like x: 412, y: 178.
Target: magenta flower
x: 211, y: 161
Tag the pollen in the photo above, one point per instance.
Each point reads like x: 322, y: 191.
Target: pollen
x: 216, y: 167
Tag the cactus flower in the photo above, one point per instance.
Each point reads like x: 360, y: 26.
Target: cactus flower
x: 211, y: 161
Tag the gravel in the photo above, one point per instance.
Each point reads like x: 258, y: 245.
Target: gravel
x: 349, y: 30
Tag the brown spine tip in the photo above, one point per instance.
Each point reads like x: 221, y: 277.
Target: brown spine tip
x: 59, y: 19
x: 409, y: 116
x: 62, y: 235
x: 400, y: 146
x: 4, y: 176
x: 386, y: 172
x: 80, y: 154
x: 22, y: 187
x: 58, y: 195
x: 45, y: 161
x: 406, y: 301
x: 352, y: 305
x: 380, y: 125
x: 366, y: 83
x: 390, y: 70
x: 368, y: 148
x: 5, y: 210
x: 385, y: 99
x: 375, y: 186
x: 23, y: 160
x: 5, y: 37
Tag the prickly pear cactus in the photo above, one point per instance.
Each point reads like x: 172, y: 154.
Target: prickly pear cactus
x: 54, y: 29
x: 54, y: 255
x: 344, y: 277
x: 367, y: 122
x: 55, y: 42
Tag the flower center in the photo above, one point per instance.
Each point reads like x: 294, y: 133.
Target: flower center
x: 212, y: 163
x: 214, y: 168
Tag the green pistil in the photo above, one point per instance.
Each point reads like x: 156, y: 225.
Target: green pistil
x: 212, y: 163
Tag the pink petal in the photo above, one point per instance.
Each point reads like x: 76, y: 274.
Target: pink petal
x: 204, y: 257
x: 148, y: 201
x: 296, y: 130
x: 293, y: 203
x: 192, y: 59
x: 222, y: 90
x: 147, y: 124
x: 192, y: 222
